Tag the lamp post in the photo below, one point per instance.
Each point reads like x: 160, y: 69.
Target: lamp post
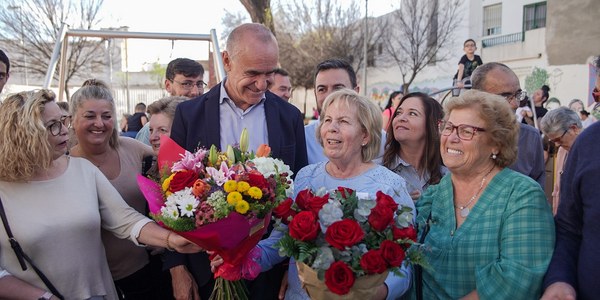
x: 18, y: 7
x: 365, y: 50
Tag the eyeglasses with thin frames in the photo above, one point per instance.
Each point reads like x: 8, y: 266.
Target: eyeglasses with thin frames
x: 56, y: 126
x: 188, y: 85
x: 463, y: 131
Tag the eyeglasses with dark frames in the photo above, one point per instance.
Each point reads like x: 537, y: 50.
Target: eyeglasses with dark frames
x: 463, y: 131
x: 519, y: 95
x: 56, y: 126
x: 558, y: 139
x: 188, y: 85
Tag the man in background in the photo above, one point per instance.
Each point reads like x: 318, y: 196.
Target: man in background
x: 282, y: 86
x: 182, y: 78
x: 499, y: 79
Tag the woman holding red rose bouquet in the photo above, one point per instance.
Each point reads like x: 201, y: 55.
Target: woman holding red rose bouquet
x: 350, y: 133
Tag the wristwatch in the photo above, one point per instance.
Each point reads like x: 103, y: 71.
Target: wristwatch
x: 46, y: 296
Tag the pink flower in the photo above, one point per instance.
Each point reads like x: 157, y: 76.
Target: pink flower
x: 220, y: 176
x: 190, y: 162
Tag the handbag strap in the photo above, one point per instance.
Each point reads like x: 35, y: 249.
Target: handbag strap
x: 419, y: 269
x: 22, y: 257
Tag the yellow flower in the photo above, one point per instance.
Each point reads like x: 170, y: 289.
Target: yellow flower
x: 242, y: 186
x: 230, y: 186
x: 233, y: 198
x: 255, y: 192
x: 242, y: 207
x: 167, y: 183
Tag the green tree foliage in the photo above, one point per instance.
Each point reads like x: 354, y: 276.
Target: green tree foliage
x: 536, y: 79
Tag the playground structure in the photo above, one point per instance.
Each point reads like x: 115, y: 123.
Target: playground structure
x: 61, y: 48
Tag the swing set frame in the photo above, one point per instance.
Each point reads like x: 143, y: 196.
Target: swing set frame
x: 61, y: 48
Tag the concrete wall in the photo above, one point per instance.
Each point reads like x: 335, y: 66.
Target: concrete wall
x: 572, y: 31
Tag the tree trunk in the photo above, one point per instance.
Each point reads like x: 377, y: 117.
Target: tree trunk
x: 260, y: 12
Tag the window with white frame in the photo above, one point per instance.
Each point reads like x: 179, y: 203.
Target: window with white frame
x: 492, y: 20
x: 534, y: 16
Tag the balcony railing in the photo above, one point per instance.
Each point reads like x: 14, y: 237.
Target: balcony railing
x: 503, y: 39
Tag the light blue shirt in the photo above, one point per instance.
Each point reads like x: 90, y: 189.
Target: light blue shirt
x: 315, y: 177
x: 234, y: 120
x: 314, y: 150
x: 144, y: 134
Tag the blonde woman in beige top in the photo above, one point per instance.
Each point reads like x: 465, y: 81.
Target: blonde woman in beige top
x: 56, y: 207
x: 120, y: 160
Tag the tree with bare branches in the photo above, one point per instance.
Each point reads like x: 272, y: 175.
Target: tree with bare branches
x: 309, y: 34
x: 31, y: 27
x: 422, y: 31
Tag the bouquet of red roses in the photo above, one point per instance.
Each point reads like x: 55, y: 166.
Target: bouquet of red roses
x: 221, y: 201
x: 344, y: 242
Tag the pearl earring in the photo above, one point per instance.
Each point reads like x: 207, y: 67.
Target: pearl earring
x: 494, y: 156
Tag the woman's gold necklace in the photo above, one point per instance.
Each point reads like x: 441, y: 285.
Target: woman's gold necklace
x: 464, y: 209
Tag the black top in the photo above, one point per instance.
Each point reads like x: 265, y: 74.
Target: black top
x: 134, y: 123
x: 470, y: 65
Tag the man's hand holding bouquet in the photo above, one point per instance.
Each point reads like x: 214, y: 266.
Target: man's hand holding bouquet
x: 344, y: 243
x: 222, y: 201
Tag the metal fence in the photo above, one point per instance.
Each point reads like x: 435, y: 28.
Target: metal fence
x: 503, y: 39
x: 147, y: 96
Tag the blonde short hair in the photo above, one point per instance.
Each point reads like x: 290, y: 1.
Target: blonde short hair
x: 24, y: 147
x: 501, y: 126
x: 368, y: 115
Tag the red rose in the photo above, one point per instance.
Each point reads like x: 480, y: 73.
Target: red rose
x: 181, y: 180
x: 304, y: 226
x: 392, y: 253
x: 284, y: 210
x: 373, y: 263
x: 344, y: 233
x: 303, y: 197
x: 339, y: 278
x: 380, y: 217
x: 315, y: 203
x: 405, y: 233
x: 256, y: 179
x: 345, y: 192
x: 386, y: 200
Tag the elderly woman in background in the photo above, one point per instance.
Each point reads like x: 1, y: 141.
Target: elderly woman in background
x: 120, y: 160
x: 56, y: 206
x: 561, y: 126
x: 350, y: 133
x: 161, y: 118
x: 412, y: 149
x: 490, y: 230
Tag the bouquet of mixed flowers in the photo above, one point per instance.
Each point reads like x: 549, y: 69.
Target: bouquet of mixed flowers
x: 222, y: 201
x: 347, y: 240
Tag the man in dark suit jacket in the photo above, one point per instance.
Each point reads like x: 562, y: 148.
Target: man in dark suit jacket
x: 217, y: 118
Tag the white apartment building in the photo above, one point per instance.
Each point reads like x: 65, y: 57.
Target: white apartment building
x: 558, y: 36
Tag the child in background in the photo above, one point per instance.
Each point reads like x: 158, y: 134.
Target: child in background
x: 467, y: 63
